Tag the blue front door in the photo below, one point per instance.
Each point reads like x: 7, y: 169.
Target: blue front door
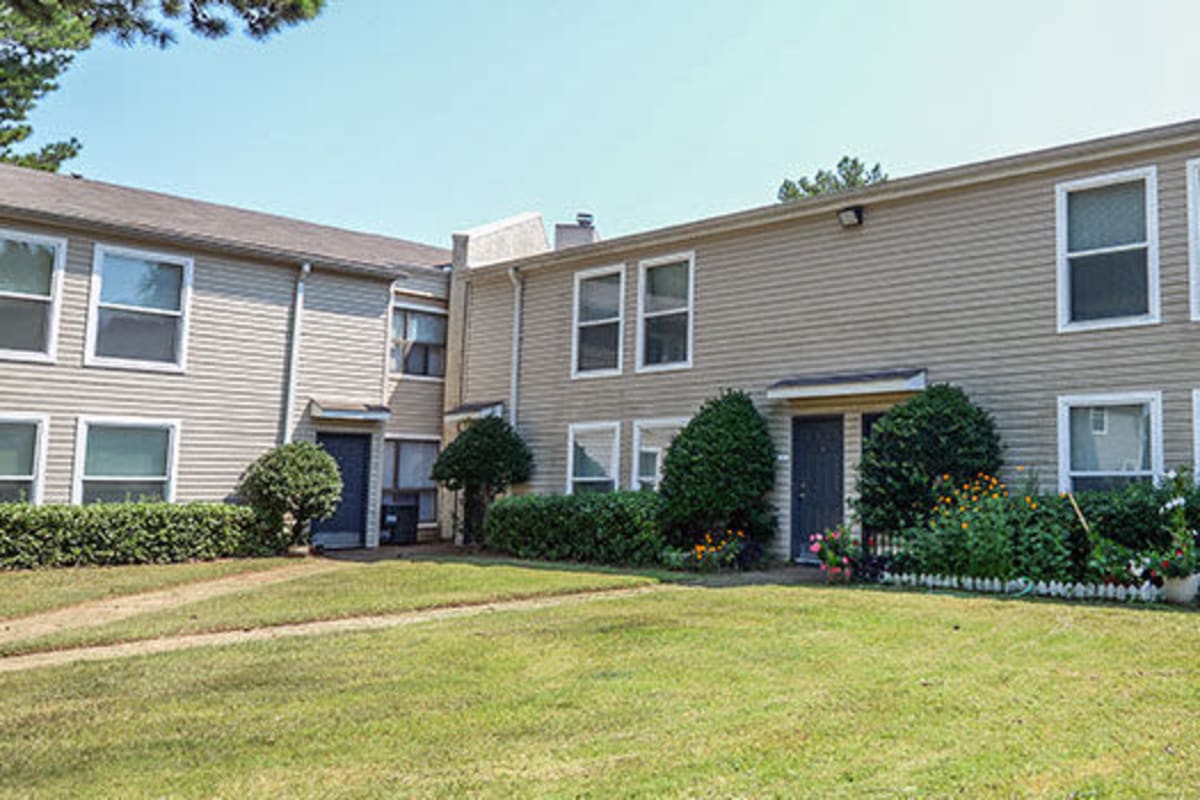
x: 348, y: 525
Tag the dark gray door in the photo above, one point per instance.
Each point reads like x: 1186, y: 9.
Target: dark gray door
x: 817, y: 496
x: 348, y: 525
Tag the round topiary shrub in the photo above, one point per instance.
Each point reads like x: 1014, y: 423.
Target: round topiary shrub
x: 487, y: 457
x: 294, y: 484
x: 936, y: 433
x: 718, y: 473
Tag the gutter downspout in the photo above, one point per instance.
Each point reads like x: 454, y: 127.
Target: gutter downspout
x: 289, y: 391
x: 518, y: 300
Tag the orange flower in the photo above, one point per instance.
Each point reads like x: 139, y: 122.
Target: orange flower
x: 964, y: 525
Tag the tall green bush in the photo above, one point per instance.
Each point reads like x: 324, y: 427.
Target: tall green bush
x: 610, y: 528
x: 718, y: 473
x: 294, y: 484
x: 130, y: 533
x: 939, y: 432
x: 486, y: 458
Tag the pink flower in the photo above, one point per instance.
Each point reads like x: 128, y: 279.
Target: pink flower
x: 816, y: 548
x: 823, y: 568
x: 845, y: 560
x: 834, y: 535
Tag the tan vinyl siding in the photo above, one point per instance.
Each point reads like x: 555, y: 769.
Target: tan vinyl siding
x: 416, y: 407
x: 961, y: 283
x: 435, y: 284
x: 228, y: 401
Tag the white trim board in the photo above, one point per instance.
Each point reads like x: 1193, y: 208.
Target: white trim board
x: 892, y: 385
x: 175, y: 427
x: 573, y: 428
x: 1068, y: 401
x: 1149, y: 176
x: 50, y: 354
x: 90, y: 359
x: 659, y: 261
x: 580, y: 277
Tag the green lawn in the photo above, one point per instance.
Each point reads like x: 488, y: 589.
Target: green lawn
x: 753, y: 691
x: 30, y: 591
x: 353, y: 589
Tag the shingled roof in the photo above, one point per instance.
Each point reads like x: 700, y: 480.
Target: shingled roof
x: 69, y: 200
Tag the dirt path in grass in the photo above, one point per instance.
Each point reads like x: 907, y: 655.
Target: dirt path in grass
x: 111, y: 609
x: 169, y: 644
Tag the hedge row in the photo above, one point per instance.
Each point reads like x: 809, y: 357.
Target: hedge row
x: 130, y: 533
x: 612, y: 528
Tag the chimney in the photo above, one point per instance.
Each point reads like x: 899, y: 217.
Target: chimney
x: 573, y: 235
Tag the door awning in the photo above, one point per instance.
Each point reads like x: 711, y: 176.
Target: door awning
x: 842, y: 385
x: 348, y: 410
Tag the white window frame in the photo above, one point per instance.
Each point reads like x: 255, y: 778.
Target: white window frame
x: 643, y: 266
x: 413, y: 437
x: 1196, y: 435
x: 641, y: 425
x: 90, y: 359
x: 1069, y: 401
x: 1149, y: 176
x: 579, y: 427
x: 81, y: 431
x: 38, y: 478
x: 576, y: 324
x: 412, y: 304
x: 1193, y: 217
x: 50, y: 354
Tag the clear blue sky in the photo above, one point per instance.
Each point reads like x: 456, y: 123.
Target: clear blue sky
x: 418, y: 119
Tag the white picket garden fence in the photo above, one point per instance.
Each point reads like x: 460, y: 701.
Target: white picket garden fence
x: 1146, y: 593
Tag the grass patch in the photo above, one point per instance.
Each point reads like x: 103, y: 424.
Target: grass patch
x: 351, y: 590
x: 744, y: 692
x: 32, y: 591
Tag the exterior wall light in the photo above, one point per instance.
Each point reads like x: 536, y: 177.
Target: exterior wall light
x: 851, y: 217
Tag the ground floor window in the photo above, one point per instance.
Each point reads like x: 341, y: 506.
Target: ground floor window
x: 21, y: 445
x: 651, y: 438
x: 125, y: 460
x: 593, y: 457
x: 407, y: 485
x: 1110, y: 440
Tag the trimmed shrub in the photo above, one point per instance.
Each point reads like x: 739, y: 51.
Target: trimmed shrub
x: 937, y: 433
x: 483, y: 461
x: 130, y: 533
x: 294, y: 484
x: 1130, y: 516
x: 611, y: 528
x: 718, y: 473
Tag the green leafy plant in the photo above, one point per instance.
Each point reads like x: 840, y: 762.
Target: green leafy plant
x: 1178, y: 560
x: 610, y: 528
x: 486, y: 458
x: 130, y: 533
x: 294, y: 484
x: 837, y: 550
x: 939, y: 432
x: 718, y: 473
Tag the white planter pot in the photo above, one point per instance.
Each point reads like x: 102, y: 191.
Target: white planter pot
x: 1181, y: 591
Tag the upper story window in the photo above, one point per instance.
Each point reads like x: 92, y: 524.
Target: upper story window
x: 599, y: 322
x: 593, y: 457
x: 31, y: 269
x: 418, y: 341
x: 651, y: 438
x: 22, y: 457
x: 125, y: 460
x: 1108, y: 251
x: 665, y: 314
x: 138, y: 315
x: 1109, y: 440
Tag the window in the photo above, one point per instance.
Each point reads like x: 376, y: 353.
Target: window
x: 665, y: 294
x: 125, y: 460
x: 407, y: 465
x: 1109, y: 440
x: 31, y: 269
x: 1108, y: 251
x: 418, y: 341
x: 593, y: 455
x: 22, y: 457
x: 138, y: 313
x: 599, y: 322
x: 651, y: 438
